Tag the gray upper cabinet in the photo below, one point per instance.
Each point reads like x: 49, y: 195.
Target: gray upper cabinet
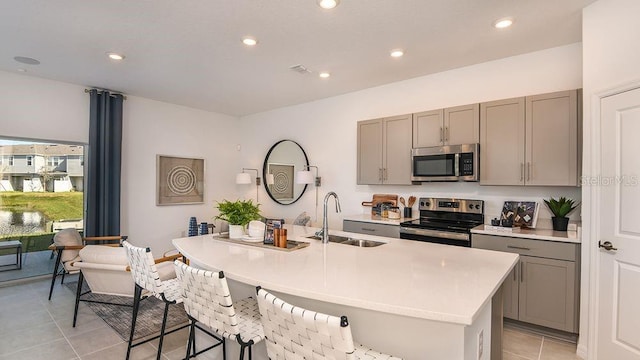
x: 451, y: 126
x: 530, y: 141
x: 384, y: 151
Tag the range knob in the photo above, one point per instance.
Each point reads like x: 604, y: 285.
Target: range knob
x: 471, y: 206
x: 427, y: 204
x: 478, y: 207
x: 421, y: 203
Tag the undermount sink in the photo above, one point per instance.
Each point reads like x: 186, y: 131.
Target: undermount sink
x: 349, y: 241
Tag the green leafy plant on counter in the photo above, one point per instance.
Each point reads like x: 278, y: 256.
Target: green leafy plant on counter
x: 561, y: 207
x: 238, y: 212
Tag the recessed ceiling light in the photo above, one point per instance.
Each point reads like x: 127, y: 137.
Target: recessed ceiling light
x: 503, y: 23
x: 396, y: 53
x: 249, y: 41
x: 328, y: 4
x: 26, y: 60
x: 114, y: 56
x: 324, y: 74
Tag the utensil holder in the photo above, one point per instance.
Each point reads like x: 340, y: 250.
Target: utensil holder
x: 407, y: 212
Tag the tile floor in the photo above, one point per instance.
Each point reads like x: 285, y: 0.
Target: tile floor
x: 34, y: 328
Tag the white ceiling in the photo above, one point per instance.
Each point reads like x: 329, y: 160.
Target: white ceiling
x: 189, y: 52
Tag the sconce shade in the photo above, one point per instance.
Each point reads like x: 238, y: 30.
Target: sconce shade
x: 304, y: 177
x: 243, y: 178
x: 270, y: 180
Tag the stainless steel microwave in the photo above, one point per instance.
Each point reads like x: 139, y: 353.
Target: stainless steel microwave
x: 446, y: 163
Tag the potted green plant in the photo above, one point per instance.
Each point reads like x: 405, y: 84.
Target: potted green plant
x: 238, y: 214
x: 560, y: 209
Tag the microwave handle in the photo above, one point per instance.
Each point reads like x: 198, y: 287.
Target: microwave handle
x: 456, y: 166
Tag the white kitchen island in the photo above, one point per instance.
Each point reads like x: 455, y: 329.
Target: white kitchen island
x: 411, y: 299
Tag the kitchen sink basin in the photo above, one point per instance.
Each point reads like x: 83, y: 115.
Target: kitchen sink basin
x: 349, y: 241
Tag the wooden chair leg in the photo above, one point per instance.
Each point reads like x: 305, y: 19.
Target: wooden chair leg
x: 136, y: 305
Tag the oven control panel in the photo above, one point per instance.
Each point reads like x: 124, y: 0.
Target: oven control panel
x: 452, y: 205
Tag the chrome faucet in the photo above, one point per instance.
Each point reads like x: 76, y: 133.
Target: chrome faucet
x: 324, y: 233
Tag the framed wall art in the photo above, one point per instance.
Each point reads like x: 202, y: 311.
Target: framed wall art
x: 282, y: 188
x: 179, y: 180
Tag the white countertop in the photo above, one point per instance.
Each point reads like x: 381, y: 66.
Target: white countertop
x: 403, y: 277
x: 375, y: 219
x: 538, y: 234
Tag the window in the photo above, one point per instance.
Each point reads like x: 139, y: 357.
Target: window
x: 29, y: 160
x: 54, y: 161
x: 81, y: 160
x: 11, y: 160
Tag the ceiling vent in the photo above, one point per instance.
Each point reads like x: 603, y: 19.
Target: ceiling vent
x: 300, y: 69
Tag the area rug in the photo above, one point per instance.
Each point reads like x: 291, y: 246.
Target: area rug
x: 119, y: 317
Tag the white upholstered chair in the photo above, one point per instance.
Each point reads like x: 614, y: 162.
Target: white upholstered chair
x: 208, y: 302
x: 292, y: 332
x: 67, y: 244
x: 147, y: 277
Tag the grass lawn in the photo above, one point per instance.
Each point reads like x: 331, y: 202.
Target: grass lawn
x: 54, y: 206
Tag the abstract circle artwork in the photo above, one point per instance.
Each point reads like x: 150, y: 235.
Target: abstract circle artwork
x: 181, y: 180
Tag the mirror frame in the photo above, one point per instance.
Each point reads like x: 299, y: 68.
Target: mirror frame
x: 264, y: 172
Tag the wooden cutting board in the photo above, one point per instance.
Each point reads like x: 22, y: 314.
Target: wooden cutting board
x: 379, y: 198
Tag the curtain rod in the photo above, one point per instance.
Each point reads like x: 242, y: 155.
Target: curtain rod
x: 124, y: 97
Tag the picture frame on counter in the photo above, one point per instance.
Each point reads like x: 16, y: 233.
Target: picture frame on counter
x: 523, y: 214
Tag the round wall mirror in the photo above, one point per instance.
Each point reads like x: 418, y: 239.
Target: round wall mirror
x: 284, y: 159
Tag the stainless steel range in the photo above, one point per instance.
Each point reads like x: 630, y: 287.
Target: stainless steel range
x: 444, y: 221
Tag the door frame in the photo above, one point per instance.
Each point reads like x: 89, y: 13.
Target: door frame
x: 587, y: 344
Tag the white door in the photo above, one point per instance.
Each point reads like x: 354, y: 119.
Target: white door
x: 618, y: 286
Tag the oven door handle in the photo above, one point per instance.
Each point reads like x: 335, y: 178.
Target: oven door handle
x: 435, y: 233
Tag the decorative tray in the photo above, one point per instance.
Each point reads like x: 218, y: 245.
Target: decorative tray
x: 291, y: 244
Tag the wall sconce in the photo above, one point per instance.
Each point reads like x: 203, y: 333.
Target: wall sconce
x: 244, y: 178
x: 306, y: 177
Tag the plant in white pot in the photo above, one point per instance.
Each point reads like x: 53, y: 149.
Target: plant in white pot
x: 560, y: 209
x: 238, y: 214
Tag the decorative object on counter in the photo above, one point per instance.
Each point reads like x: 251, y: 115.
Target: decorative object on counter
x: 244, y: 178
x: 502, y: 228
x: 256, y: 229
x: 560, y: 209
x: 394, y: 212
x: 180, y: 181
x: 193, y: 226
x: 378, y: 199
x: 521, y: 213
x: 204, y: 228
x: 303, y: 219
x: 271, y: 225
x: 284, y: 159
x: 238, y: 214
x: 495, y: 222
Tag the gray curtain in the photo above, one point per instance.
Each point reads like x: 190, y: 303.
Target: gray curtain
x: 102, y: 192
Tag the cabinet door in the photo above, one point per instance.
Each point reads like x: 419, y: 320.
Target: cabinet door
x: 547, y: 293
x: 552, y: 139
x: 462, y: 125
x: 397, y: 150
x: 502, y: 142
x: 510, y: 294
x: 428, y: 128
x: 370, y: 152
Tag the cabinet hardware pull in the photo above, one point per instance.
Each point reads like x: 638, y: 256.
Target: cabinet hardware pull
x: 441, y: 134
x: 385, y: 177
x: 368, y: 229
x: 528, y: 171
x: 446, y: 133
x: 521, y: 272
x: 518, y: 247
x: 380, y: 174
x: 521, y: 171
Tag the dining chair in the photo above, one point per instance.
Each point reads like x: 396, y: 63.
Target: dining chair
x: 292, y: 332
x: 208, y: 302
x: 147, y: 277
x: 67, y: 244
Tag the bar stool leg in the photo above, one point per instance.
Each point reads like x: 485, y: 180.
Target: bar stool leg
x: 136, y: 304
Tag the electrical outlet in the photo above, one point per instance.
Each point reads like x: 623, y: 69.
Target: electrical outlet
x: 480, y: 344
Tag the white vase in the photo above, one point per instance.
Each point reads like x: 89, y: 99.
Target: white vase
x: 236, y: 231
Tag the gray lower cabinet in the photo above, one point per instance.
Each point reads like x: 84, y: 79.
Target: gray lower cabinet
x: 363, y: 227
x: 543, y: 288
